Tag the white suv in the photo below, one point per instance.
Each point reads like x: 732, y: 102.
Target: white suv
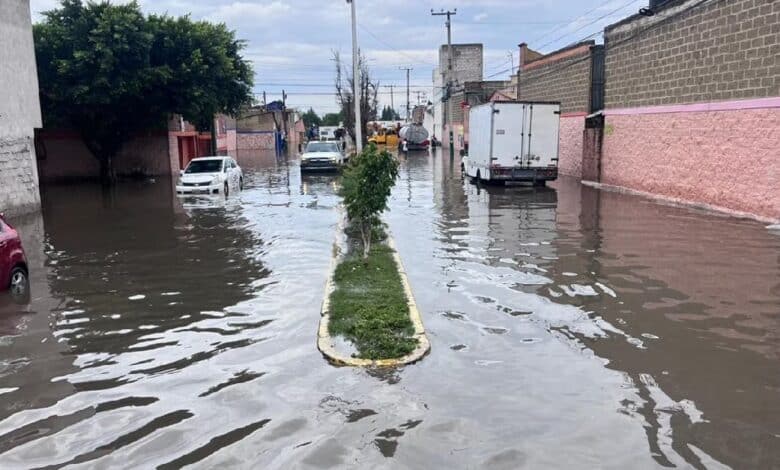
x: 210, y: 175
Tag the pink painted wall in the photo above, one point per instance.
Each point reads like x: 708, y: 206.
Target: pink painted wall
x: 232, y: 143
x: 724, y: 158
x: 255, y: 141
x: 570, y: 146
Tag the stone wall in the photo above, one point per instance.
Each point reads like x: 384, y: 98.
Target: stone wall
x: 719, y: 50
x: 561, y: 76
x: 20, y: 111
x: 255, y: 141
x: 18, y: 176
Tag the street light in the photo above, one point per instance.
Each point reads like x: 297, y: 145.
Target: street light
x: 356, y: 83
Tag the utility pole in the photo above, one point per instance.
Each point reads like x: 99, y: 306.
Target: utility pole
x: 356, y: 82
x: 448, y: 78
x: 408, y: 109
x: 511, y: 62
x: 392, y: 104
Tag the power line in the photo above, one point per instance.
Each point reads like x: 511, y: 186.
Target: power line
x: 378, y: 39
x: 612, y: 45
x: 589, y: 24
x: 584, y: 15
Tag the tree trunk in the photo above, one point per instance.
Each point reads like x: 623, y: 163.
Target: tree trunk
x: 107, y: 173
x: 365, y: 232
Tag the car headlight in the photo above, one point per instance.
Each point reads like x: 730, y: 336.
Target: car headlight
x: 215, y: 180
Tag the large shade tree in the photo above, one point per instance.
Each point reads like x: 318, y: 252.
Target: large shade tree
x: 110, y: 72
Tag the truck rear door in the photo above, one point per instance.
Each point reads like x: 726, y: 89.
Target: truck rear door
x: 507, y: 138
x: 541, y: 139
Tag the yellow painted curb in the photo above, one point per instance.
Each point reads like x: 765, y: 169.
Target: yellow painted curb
x: 325, y: 341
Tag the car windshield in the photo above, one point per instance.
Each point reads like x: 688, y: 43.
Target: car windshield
x: 204, y: 166
x: 322, y: 147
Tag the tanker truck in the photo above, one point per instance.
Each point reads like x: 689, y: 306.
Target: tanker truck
x: 414, y: 136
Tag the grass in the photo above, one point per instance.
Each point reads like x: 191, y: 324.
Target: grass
x: 369, y: 306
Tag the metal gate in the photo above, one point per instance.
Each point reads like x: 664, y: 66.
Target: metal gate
x: 597, y: 78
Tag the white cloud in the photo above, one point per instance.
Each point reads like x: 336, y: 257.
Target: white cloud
x: 249, y: 13
x: 480, y: 17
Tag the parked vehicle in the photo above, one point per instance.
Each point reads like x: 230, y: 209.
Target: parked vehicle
x: 413, y: 137
x: 323, y: 156
x: 211, y: 175
x: 14, y: 273
x: 513, y: 141
x: 328, y: 133
x: 387, y: 137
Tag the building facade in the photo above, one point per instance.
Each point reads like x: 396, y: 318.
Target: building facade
x: 20, y: 110
x: 566, y: 76
x: 693, y: 104
x: 467, y: 65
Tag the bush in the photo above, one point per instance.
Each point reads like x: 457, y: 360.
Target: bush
x: 366, y: 185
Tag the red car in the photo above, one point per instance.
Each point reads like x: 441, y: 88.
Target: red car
x: 13, y: 262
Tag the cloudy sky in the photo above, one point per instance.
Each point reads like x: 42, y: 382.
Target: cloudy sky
x: 291, y: 42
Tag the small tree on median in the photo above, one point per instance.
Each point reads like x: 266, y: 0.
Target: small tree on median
x: 366, y: 185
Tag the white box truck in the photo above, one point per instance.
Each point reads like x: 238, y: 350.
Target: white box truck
x: 513, y: 141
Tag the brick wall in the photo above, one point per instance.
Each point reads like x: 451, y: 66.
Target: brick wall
x: 562, y: 76
x: 721, y: 50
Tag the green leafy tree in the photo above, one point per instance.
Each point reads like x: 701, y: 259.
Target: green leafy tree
x: 110, y: 72
x: 310, y: 118
x: 332, y: 119
x: 389, y: 114
x: 366, y: 185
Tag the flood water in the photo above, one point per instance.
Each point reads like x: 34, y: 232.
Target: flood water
x: 570, y: 328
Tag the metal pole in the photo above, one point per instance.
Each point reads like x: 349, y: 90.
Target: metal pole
x: 448, y: 82
x: 408, y: 109
x: 392, y: 103
x: 356, y: 82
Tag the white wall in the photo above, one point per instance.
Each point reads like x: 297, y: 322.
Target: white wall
x: 20, y: 110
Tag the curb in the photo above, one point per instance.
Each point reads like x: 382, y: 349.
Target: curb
x: 325, y: 342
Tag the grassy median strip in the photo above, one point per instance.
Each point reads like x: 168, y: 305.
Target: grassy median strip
x: 369, y: 306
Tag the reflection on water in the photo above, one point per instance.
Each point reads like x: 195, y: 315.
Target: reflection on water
x: 570, y: 329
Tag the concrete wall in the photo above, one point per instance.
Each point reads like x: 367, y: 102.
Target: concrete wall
x: 67, y: 158
x: 570, y: 145
x: 729, y: 159
x: 20, y: 110
x: 467, y: 65
x: 467, y: 62
x: 704, y: 144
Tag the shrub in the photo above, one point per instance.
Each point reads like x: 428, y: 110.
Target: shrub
x: 366, y: 186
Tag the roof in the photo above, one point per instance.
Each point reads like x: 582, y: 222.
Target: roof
x: 212, y: 157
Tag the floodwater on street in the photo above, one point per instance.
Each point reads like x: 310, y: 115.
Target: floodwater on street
x: 570, y: 328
